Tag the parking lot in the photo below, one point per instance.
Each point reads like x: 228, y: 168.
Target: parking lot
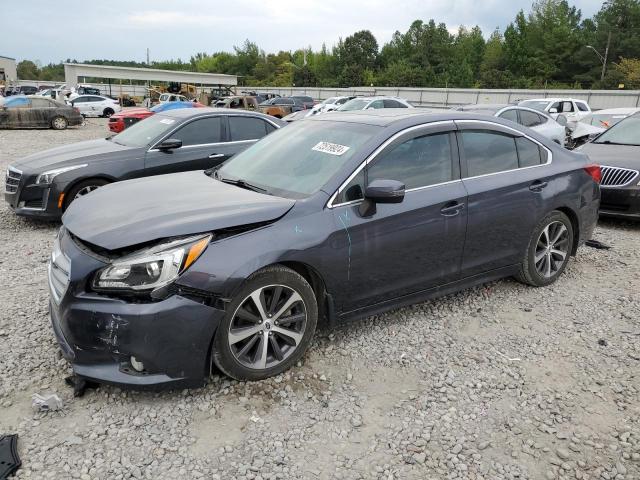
x: 501, y: 381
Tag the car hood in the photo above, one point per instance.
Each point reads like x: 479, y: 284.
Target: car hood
x: 625, y: 156
x: 584, y: 129
x: 132, y: 112
x: 70, y: 154
x: 129, y: 213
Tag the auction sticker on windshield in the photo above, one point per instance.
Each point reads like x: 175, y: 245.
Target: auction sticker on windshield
x: 330, y: 148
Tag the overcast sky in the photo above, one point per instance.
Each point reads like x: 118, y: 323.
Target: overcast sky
x: 123, y: 29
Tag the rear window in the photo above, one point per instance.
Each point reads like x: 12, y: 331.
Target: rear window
x: 246, y: 128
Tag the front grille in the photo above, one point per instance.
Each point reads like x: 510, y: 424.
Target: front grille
x: 617, y: 177
x: 59, y: 265
x: 13, y: 180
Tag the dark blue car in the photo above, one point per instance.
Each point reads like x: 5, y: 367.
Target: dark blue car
x: 332, y: 218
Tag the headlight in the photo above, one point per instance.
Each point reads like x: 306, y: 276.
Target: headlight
x: 151, y: 268
x: 47, y: 177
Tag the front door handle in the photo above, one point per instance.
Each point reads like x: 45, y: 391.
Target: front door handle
x: 451, y: 209
x: 538, y: 186
x: 216, y: 155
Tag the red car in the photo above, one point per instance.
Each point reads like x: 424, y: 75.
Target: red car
x: 126, y: 118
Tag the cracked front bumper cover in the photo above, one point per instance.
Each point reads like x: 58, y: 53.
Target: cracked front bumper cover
x: 99, y: 334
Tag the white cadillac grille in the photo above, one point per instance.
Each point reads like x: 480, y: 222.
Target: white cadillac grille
x: 617, y: 177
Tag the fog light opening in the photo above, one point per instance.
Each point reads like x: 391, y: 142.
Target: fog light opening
x: 137, y: 366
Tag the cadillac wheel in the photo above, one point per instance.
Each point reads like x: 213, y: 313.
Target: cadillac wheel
x: 268, y: 326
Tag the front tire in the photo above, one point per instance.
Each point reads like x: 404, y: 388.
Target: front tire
x: 108, y: 112
x: 268, y: 325
x: 548, y: 251
x: 83, y: 188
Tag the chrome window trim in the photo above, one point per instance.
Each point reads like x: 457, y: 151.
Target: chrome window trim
x: 521, y: 134
x: 443, y: 122
x: 375, y: 153
x: 152, y: 148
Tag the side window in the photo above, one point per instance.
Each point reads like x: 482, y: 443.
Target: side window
x: 529, y: 119
x: 542, y: 119
x: 40, y: 103
x: 510, y: 115
x: 488, y: 151
x: 81, y: 99
x: 246, y: 128
x: 582, y: 107
x: 270, y: 127
x: 567, y: 107
x: 199, y: 132
x: 353, y: 191
x: 393, y: 104
x: 529, y: 153
x: 418, y: 162
x: 376, y: 104
x: 96, y: 99
x: 555, y: 105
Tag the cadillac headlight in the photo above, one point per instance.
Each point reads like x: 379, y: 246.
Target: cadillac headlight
x: 48, y: 176
x: 153, y: 267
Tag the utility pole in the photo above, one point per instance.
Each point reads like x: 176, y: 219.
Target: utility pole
x: 606, y: 55
x: 148, y: 57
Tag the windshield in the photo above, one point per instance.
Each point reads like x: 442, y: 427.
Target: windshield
x: 298, y: 160
x: 329, y: 101
x: 604, y: 120
x: 145, y: 132
x: 539, y: 105
x: 355, y: 104
x: 626, y: 132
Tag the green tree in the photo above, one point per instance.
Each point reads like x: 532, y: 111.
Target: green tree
x: 28, y: 70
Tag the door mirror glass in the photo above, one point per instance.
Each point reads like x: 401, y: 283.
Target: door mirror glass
x: 562, y: 120
x: 553, y: 110
x: 170, y: 144
x: 385, y: 191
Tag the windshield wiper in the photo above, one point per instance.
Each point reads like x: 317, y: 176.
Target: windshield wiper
x: 243, y: 184
x: 609, y: 142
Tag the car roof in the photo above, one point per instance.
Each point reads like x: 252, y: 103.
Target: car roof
x: 180, y: 113
x: 494, y: 107
x: 386, y: 116
x: 619, y: 111
x: 554, y: 99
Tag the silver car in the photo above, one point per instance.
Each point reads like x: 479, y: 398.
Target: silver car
x: 528, y: 117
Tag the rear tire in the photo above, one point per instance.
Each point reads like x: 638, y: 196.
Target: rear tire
x: 59, y: 123
x: 548, y: 251
x: 256, y: 342
x: 81, y: 189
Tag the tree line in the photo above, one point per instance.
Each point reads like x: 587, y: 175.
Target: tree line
x: 546, y: 47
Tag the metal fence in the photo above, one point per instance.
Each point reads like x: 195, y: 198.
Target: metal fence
x: 453, y: 97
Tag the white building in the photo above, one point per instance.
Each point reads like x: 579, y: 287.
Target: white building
x: 8, y: 71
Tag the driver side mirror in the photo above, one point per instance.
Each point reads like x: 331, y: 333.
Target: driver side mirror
x: 562, y: 120
x: 381, y: 191
x: 169, y: 144
x: 553, y: 110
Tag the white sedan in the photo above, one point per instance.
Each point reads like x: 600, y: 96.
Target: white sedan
x: 96, y: 105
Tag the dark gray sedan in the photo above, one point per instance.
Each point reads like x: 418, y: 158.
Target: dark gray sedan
x: 44, y: 184
x: 37, y: 112
x: 336, y: 217
x: 617, y: 151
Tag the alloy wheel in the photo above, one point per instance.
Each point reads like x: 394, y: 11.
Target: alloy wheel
x: 59, y: 123
x: 267, y: 327
x: 83, y: 191
x: 552, y: 249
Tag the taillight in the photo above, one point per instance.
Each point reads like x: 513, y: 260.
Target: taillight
x: 594, y: 172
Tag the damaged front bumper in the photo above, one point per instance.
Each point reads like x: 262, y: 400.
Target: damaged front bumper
x: 107, y: 339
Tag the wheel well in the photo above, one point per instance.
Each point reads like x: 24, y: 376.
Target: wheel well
x: 76, y: 182
x: 325, y: 305
x: 576, y: 227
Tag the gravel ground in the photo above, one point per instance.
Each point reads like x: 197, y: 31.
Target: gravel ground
x: 497, y: 382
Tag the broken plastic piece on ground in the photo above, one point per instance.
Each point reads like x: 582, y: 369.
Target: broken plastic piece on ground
x: 602, y: 342
x: 9, y: 460
x: 79, y: 384
x: 597, y: 244
x: 46, y: 403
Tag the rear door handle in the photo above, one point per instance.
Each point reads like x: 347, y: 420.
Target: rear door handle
x: 538, y: 186
x: 216, y: 155
x: 451, y: 209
